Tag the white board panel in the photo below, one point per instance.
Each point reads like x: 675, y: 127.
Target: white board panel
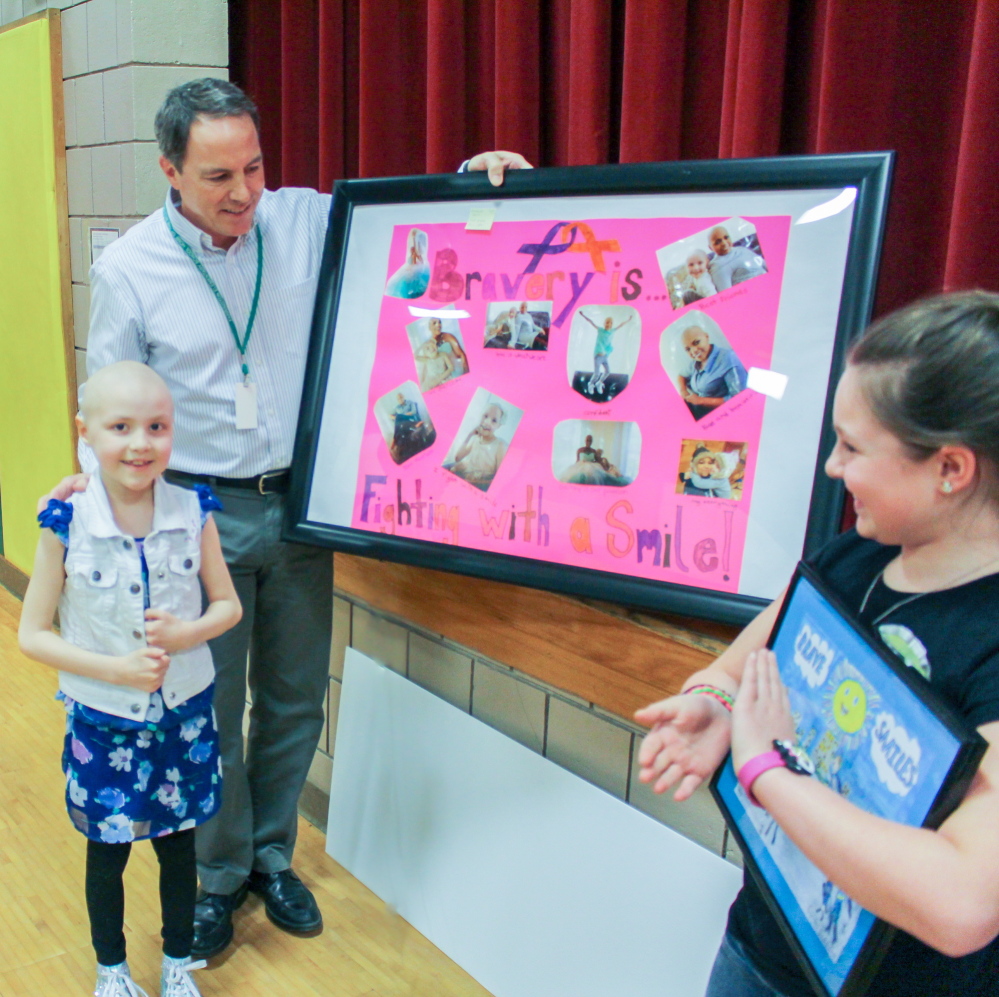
x: 531, y: 879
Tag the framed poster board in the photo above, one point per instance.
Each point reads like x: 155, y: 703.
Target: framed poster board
x: 877, y: 734
x: 610, y: 381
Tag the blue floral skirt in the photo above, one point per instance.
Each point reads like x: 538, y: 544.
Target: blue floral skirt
x: 126, y: 781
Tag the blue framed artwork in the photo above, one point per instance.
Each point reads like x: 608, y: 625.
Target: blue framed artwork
x: 879, y: 736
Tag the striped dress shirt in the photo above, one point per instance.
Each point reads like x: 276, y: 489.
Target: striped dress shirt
x: 149, y: 303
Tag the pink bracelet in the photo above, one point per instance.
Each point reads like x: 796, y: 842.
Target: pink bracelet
x: 755, y: 767
x: 720, y: 695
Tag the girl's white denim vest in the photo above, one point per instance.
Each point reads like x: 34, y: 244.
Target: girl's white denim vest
x: 101, y: 607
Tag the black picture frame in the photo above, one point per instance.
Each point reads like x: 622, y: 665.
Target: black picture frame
x: 816, y: 510
x: 841, y: 957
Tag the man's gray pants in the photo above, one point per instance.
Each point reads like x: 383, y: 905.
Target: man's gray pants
x: 281, y: 647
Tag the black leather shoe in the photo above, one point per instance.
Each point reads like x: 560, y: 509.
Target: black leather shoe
x: 213, y: 921
x: 288, y: 901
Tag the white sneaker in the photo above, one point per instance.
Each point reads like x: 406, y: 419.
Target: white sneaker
x: 116, y: 981
x: 176, y: 979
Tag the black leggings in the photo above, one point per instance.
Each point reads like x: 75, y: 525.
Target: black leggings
x: 106, y: 895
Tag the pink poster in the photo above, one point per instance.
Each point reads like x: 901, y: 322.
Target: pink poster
x: 575, y: 391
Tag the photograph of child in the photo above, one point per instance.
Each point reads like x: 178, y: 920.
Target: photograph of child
x: 710, y: 261
x: 588, y: 452
x: 603, y: 350
x: 482, y: 439
x: 405, y: 423
x: 711, y: 469
x: 413, y: 277
x: 699, y: 361
x: 518, y: 325
x: 438, y: 349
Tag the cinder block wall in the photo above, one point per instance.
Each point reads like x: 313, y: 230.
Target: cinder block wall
x: 120, y: 57
x: 14, y: 10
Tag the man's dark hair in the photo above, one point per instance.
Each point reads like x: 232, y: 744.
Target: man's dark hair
x: 204, y: 98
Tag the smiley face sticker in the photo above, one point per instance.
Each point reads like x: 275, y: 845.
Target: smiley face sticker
x: 850, y: 706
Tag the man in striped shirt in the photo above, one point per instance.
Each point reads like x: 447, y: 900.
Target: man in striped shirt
x: 215, y: 291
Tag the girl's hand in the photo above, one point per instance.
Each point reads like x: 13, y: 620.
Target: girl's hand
x: 166, y: 631
x: 762, y: 711
x: 689, y: 738
x: 145, y: 668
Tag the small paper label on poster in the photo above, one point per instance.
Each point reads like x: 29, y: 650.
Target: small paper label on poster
x: 480, y: 219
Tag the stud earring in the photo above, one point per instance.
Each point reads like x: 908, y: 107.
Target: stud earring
x: 946, y: 488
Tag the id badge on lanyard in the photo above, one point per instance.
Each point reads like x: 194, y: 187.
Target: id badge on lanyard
x: 246, y: 405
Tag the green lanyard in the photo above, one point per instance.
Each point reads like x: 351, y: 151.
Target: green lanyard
x: 241, y: 345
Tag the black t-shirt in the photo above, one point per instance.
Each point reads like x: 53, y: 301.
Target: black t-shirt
x: 951, y: 637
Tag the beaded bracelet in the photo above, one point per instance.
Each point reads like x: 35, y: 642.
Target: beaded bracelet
x: 720, y: 695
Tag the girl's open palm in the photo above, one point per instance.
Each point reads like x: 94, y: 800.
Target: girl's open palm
x: 689, y: 738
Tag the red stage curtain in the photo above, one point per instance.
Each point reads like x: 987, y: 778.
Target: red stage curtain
x: 366, y: 88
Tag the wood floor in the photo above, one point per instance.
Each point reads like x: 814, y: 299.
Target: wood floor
x: 364, y: 951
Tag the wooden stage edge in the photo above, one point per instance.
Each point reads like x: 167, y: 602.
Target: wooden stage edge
x: 613, y: 657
